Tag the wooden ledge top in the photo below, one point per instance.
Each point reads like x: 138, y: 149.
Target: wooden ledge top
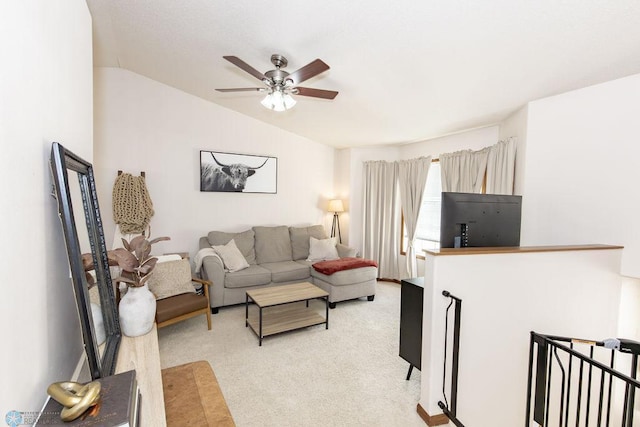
x: 517, y: 249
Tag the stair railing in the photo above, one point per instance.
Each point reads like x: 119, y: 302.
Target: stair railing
x: 451, y: 411
x: 590, y: 389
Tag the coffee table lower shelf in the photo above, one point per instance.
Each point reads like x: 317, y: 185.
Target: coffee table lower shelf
x: 285, y: 319
x: 284, y: 308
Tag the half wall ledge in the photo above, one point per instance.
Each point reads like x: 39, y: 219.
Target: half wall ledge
x: 507, y: 292
x: 518, y: 249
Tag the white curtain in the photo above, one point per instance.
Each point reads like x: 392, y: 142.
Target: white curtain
x: 412, y: 179
x: 463, y: 171
x: 501, y: 167
x: 381, y: 222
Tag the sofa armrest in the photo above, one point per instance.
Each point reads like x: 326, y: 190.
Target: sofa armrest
x: 213, y: 271
x: 345, y: 251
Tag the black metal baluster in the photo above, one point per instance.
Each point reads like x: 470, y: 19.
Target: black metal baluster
x: 629, y: 395
x: 586, y: 424
x: 530, y: 379
x: 613, y: 355
x: 601, y: 398
x: 579, y: 398
x: 539, y: 409
x: 546, y: 415
x: 562, y: 382
x: 566, y: 416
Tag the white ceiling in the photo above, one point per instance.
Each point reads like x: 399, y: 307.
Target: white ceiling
x: 406, y: 70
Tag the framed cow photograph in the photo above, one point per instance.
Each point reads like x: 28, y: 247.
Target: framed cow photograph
x: 238, y: 173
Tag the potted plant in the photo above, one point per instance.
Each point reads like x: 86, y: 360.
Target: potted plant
x: 137, y: 308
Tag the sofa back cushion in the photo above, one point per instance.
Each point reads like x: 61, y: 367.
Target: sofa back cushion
x: 300, y: 239
x: 272, y: 244
x: 245, y: 241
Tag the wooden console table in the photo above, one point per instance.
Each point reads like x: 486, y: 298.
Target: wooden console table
x: 143, y: 355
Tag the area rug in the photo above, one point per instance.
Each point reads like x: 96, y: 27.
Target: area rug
x: 348, y: 375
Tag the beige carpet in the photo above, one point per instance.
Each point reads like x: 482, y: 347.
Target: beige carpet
x: 348, y: 375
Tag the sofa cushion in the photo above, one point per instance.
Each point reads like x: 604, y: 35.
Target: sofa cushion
x: 300, y: 239
x: 348, y: 277
x: 245, y: 241
x: 231, y: 256
x: 272, y: 244
x: 345, y: 251
x: 287, y: 271
x: 322, y: 250
x: 253, y: 276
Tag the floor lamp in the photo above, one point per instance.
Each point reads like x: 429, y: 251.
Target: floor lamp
x: 335, y: 206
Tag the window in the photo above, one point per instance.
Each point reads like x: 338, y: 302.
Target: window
x: 428, y: 232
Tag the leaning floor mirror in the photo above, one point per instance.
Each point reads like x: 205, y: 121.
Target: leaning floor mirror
x: 75, y: 191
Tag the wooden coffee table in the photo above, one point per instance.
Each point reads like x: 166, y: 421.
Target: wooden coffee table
x: 289, y: 316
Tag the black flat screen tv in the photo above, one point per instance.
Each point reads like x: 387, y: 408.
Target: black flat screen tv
x: 479, y: 220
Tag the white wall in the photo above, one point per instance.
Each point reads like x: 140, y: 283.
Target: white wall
x: 341, y: 187
x: 582, y: 169
x: 143, y: 125
x: 564, y: 293
x: 45, y: 96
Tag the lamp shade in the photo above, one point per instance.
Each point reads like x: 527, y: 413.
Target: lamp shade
x: 335, y: 206
x: 276, y: 100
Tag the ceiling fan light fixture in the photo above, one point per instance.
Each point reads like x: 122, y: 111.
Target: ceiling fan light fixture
x: 278, y: 101
x: 280, y: 84
x: 289, y: 102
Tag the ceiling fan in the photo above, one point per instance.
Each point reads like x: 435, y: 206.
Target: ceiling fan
x: 280, y: 84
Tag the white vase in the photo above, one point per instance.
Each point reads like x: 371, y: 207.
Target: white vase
x: 137, y: 311
x: 98, y: 323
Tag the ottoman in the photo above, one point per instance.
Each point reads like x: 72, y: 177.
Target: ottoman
x: 353, y: 278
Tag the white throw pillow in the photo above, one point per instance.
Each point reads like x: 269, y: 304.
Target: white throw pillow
x: 231, y: 256
x: 322, y: 250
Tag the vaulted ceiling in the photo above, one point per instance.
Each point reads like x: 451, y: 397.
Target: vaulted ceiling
x: 406, y: 70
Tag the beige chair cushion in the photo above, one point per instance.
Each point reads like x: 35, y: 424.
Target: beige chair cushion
x: 171, y: 278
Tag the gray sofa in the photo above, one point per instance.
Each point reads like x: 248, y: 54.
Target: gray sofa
x: 277, y: 256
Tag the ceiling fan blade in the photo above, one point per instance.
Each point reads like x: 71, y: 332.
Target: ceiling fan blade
x: 242, y: 89
x: 310, y: 70
x: 244, y: 66
x: 316, y: 93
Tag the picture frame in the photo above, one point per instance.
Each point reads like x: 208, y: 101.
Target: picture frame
x: 78, y: 197
x: 238, y: 173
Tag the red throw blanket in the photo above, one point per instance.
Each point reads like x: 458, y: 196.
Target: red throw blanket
x: 330, y: 267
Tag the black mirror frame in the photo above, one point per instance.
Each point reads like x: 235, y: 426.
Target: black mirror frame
x: 61, y: 161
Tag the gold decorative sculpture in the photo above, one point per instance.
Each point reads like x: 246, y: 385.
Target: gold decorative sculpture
x: 75, y: 397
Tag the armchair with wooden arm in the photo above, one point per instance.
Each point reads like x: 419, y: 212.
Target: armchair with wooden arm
x: 176, y: 298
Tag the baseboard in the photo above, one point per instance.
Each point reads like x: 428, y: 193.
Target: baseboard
x: 432, y: 420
